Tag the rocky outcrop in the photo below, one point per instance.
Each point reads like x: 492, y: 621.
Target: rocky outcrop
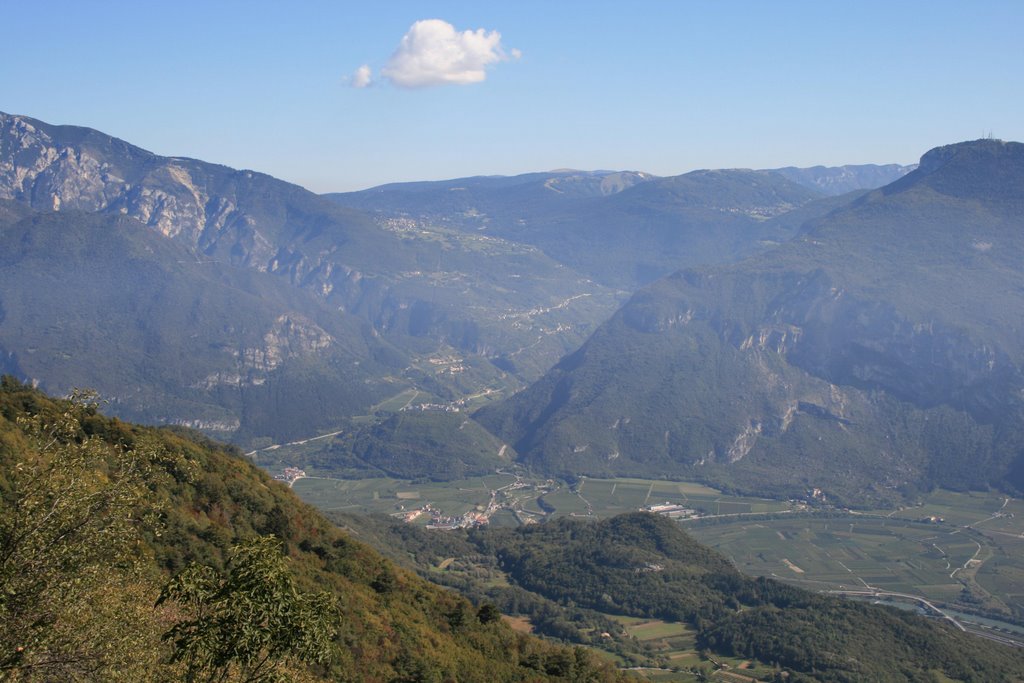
x: 291, y: 336
x: 65, y: 168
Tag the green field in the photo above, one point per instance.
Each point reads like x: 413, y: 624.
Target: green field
x: 972, y: 508
x: 674, y: 642
x: 389, y: 496
x: 974, y: 558
x: 609, y: 497
x: 599, y: 497
x: 400, y: 400
x: 891, y: 554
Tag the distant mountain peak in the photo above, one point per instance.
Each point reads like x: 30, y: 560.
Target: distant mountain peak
x: 968, y: 152
x: 986, y: 168
x: 839, y: 180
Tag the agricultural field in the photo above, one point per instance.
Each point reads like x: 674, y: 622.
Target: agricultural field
x: 389, y: 496
x: 978, y: 509
x: 844, y: 553
x: 609, y: 497
x: 598, y: 498
x: 963, y: 549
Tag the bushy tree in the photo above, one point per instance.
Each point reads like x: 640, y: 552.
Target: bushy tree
x: 244, y: 623
x: 72, y: 598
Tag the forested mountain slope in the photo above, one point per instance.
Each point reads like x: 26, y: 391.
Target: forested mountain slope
x: 98, y: 300
x: 97, y: 514
x: 878, y: 353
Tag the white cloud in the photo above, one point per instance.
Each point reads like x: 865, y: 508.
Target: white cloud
x: 432, y: 52
x: 362, y: 77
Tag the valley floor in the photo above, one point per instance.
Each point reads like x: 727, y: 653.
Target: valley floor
x: 956, y: 555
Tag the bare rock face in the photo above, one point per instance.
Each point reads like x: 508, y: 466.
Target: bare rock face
x: 243, y: 218
x: 86, y: 171
x: 291, y: 336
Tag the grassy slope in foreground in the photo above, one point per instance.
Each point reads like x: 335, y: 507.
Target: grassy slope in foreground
x: 392, y: 625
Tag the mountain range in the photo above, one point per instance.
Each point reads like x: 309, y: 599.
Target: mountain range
x: 625, y: 229
x: 876, y: 354
x: 191, y: 293
x: 436, y: 307
x: 866, y: 340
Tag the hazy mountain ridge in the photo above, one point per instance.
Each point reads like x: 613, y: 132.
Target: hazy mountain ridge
x: 837, y: 180
x: 653, y: 224
x: 433, y: 294
x: 876, y: 353
x: 571, y: 183
x: 648, y: 228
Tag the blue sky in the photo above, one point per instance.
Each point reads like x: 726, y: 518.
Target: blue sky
x: 664, y: 87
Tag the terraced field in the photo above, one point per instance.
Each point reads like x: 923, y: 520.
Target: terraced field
x: 675, y: 642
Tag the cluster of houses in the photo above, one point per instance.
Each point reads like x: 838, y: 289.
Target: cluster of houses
x: 672, y: 510
x: 479, y: 517
x: 438, y: 520
x: 431, y: 408
x: 470, y: 519
x: 290, y: 475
